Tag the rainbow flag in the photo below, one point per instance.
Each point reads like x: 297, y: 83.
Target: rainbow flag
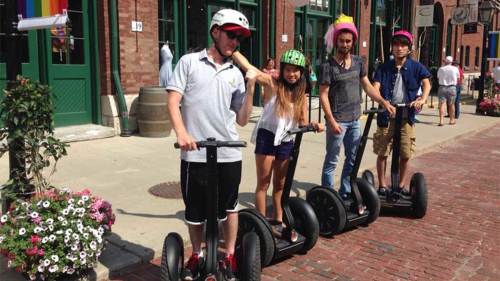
x: 41, y: 8
x: 494, y: 45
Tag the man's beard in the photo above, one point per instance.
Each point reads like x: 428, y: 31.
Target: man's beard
x: 344, y: 51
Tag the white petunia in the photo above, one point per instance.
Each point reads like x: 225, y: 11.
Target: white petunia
x: 76, y: 236
x: 83, y: 261
x: 34, y: 215
x: 37, y: 229
x: 41, y: 268
x: 74, y: 247
x: 55, y: 258
x: 32, y: 276
x: 80, y: 202
x: 85, y: 198
x: 93, y: 245
x: 51, y: 227
x: 71, y: 271
x: 46, y: 262
x: 1, y: 239
x: 49, y: 221
x: 4, y: 219
x: 64, y: 223
x: 52, y: 238
x: 46, y: 204
x: 65, y: 212
x: 59, y: 218
x: 53, y: 268
x: 86, y: 235
x: 45, y: 240
x: 22, y: 231
x: 71, y: 201
x: 83, y: 255
x: 59, y: 232
x: 69, y: 231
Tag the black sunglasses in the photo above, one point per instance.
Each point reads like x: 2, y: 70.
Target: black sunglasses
x: 231, y: 35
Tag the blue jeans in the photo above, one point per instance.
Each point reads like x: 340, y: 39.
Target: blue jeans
x: 350, y: 136
x: 457, y: 102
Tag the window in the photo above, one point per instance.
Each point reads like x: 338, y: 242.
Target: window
x: 67, y: 43
x: 467, y: 56
x: 166, y: 26
x: 462, y: 55
x: 319, y: 5
x: 476, y: 57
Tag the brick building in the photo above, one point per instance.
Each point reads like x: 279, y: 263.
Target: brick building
x: 94, y: 86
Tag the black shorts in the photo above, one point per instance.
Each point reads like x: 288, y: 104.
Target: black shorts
x: 195, y: 189
x: 264, y: 145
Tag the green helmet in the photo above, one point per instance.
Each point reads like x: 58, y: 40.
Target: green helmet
x: 294, y: 57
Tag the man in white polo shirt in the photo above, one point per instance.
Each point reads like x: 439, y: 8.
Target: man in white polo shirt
x: 211, y: 91
x: 447, y: 92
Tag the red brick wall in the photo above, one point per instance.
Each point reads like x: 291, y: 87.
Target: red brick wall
x: 285, y: 24
x: 138, y: 59
x: 139, y: 63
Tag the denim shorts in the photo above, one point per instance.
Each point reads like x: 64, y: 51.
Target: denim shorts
x: 264, y: 145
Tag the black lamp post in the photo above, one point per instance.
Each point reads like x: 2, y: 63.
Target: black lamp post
x: 485, y: 14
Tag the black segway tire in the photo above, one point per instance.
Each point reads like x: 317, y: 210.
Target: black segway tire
x: 329, y: 210
x: 306, y: 221
x: 370, y: 199
x: 250, y: 220
x: 172, y: 258
x: 249, y: 264
x: 418, y: 191
x: 369, y: 177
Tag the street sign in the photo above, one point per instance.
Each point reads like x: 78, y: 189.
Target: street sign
x: 424, y: 16
x: 459, y: 15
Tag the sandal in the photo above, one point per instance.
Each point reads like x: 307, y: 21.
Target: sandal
x: 440, y: 124
x: 453, y: 123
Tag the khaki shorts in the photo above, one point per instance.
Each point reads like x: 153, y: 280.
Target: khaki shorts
x: 382, y: 140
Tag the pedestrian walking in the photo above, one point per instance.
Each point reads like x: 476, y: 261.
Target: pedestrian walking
x: 448, y: 76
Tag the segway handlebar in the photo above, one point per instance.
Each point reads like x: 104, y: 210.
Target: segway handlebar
x: 374, y: 110
x: 211, y: 142
x: 302, y: 129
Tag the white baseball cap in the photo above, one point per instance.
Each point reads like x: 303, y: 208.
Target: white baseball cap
x: 448, y: 59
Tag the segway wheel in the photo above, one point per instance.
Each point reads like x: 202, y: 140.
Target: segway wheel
x: 329, y: 210
x: 370, y: 199
x: 306, y: 221
x: 368, y: 176
x: 418, y: 190
x: 172, y: 258
x: 250, y: 266
x: 250, y: 220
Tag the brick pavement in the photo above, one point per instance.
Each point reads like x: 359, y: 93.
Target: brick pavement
x: 457, y: 240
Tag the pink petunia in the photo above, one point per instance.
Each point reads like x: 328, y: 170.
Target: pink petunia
x: 41, y: 252
x: 37, y: 220
x: 35, y: 239
x: 32, y: 251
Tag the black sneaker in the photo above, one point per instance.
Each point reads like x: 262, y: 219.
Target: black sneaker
x: 382, y: 190
x: 193, y: 267
x: 228, y: 267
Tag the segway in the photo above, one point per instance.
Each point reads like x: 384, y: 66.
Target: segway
x: 416, y: 200
x: 247, y: 252
x: 362, y: 207
x: 298, y: 217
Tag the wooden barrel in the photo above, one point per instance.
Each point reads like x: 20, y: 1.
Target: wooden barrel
x: 152, y: 112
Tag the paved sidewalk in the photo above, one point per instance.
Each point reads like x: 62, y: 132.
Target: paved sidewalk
x: 457, y: 239
x: 123, y: 169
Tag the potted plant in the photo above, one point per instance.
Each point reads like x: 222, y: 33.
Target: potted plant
x: 46, y: 233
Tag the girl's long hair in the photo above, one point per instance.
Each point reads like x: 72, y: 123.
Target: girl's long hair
x: 285, y: 99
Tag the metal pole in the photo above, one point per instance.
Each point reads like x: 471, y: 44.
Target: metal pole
x: 13, y: 63
x: 483, y: 68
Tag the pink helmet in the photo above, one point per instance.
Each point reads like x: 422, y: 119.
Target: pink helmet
x: 405, y: 34
x: 345, y: 26
x: 343, y: 23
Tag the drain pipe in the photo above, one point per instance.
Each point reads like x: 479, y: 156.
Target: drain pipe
x: 113, y: 19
